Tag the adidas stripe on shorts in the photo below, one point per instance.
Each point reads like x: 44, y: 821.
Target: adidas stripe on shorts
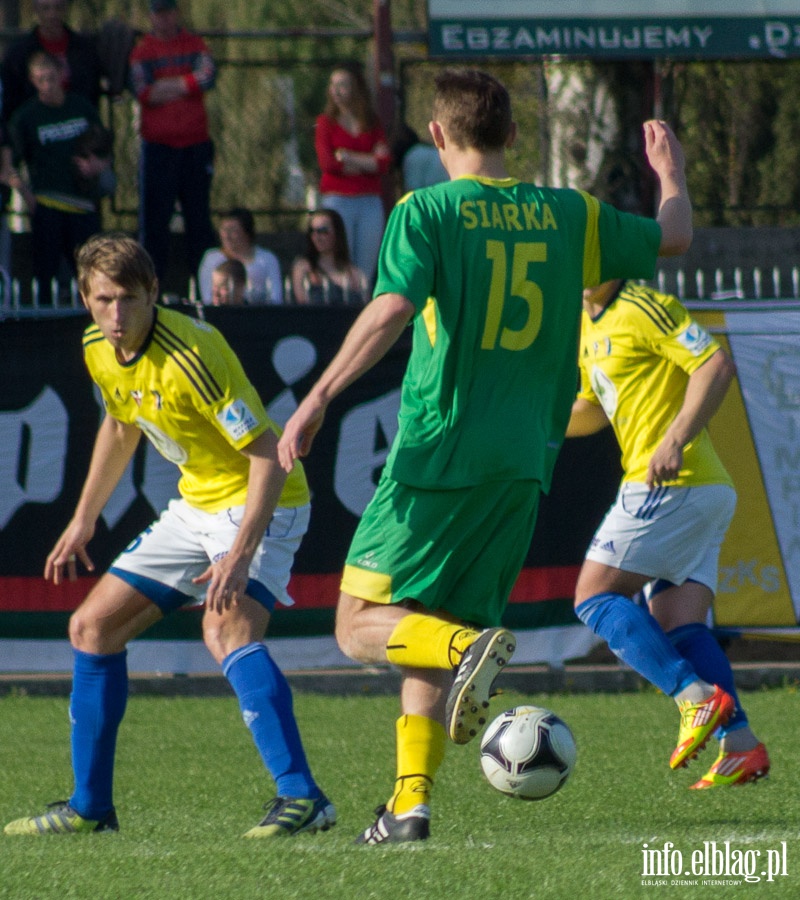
x: 672, y: 533
x: 162, y: 561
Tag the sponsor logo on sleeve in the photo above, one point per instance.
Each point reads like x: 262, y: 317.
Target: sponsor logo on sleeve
x: 695, y: 339
x: 237, y: 419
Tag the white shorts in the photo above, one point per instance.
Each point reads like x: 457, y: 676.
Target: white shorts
x: 179, y: 545
x: 669, y: 533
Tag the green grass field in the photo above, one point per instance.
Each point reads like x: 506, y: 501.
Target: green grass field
x: 189, y: 783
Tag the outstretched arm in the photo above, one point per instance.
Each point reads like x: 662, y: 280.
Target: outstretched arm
x: 665, y: 155
x: 376, y: 329
x: 705, y: 392
x: 113, y: 448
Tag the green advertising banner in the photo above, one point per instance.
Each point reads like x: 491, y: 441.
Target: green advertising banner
x: 615, y: 29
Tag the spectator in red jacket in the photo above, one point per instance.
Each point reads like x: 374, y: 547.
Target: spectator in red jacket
x: 171, y: 70
x: 353, y: 153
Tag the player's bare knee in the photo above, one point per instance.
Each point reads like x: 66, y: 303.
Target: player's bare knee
x: 215, y: 639
x: 583, y: 591
x: 345, y: 641
x: 361, y: 630
x: 595, y: 578
x: 350, y: 643
x: 84, y: 632
x: 344, y: 626
x: 224, y: 634
x: 76, y: 629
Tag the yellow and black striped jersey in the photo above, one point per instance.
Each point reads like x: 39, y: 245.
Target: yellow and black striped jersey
x: 635, y: 360
x: 187, y: 391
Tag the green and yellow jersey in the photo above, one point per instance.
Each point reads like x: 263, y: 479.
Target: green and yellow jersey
x: 187, y: 391
x: 496, y: 270
x: 635, y: 361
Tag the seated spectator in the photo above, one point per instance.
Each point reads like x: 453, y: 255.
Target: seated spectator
x: 325, y: 275
x: 237, y: 237
x: 229, y: 283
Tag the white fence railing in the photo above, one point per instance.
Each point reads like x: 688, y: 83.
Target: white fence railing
x: 772, y: 284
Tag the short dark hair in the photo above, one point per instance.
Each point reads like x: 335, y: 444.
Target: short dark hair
x: 474, y: 108
x: 244, y: 217
x: 41, y: 59
x: 117, y: 256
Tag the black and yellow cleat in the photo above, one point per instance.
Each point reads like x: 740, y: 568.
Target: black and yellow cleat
x: 287, y: 816
x: 61, y: 818
x: 468, y: 701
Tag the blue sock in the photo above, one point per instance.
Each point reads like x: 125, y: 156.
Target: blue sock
x: 97, y: 705
x: 697, y: 644
x: 265, y: 700
x: 635, y: 637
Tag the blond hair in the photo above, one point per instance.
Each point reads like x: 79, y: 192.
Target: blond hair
x: 118, y: 257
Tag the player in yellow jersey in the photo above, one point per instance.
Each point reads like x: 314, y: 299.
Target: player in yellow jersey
x: 657, y: 377
x: 227, y: 543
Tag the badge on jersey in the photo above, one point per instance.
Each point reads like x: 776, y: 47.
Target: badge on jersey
x: 166, y: 446
x: 237, y: 419
x: 604, y: 390
x: 695, y: 339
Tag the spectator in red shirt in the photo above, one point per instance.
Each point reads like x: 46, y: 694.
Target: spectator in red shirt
x: 353, y: 153
x: 171, y: 70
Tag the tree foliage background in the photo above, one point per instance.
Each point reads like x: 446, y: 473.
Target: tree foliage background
x: 579, y: 122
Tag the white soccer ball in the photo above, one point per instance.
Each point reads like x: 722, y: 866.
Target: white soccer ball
x: 528, y: 752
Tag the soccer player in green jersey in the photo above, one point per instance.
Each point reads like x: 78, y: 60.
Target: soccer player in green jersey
x: 490, y: 272
x: 649, y: 370
x: 227, y: 543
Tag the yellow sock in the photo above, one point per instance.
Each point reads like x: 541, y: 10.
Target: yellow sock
x: 420, y: 750
x: 425, y: 642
